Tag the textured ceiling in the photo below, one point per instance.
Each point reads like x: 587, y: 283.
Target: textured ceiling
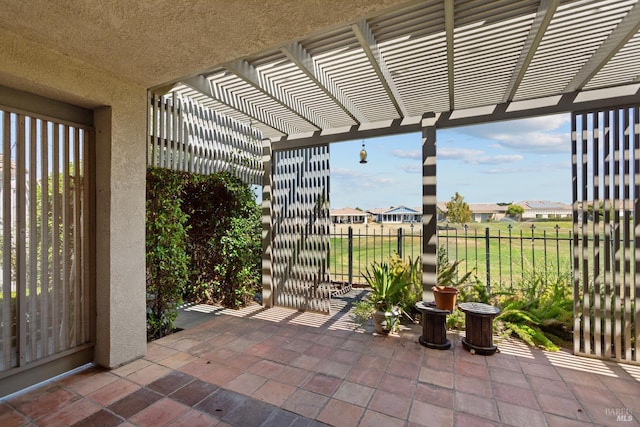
x: 156, y: 41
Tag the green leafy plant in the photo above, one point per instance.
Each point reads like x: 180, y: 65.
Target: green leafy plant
x: 166, y: 258
x: 539, y: 311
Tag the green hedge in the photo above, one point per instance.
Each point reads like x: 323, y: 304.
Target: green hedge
x: 203, y: 244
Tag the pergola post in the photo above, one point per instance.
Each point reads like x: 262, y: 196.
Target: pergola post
x: 429, y: 210
x: 267, y: 277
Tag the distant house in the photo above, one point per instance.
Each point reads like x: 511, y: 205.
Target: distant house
x: 348, y: 216
x: 396, y: 215
x: 483, y: 212
x: 537, y: 209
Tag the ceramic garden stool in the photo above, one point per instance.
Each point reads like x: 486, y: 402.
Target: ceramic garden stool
x: 434, y: 332
x: 479, y: 327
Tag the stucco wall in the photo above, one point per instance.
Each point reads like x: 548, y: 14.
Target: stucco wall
x: 120, y: 120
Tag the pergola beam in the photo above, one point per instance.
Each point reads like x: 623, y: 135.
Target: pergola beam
x: 575, y: 101
x: 368, y: 43
x: 540, y: 23
x: 624, y: 31
x: 208, y: 88
x: 252, y: 76
x: 448, y: 29
x: 304, y: 61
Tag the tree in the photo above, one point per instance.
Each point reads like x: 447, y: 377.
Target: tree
x: 515, y: 210
x: 458, y: 210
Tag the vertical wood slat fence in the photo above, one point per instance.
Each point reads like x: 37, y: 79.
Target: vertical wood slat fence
x: 606, y: 177
x: 300, y: 228
x: 45, y: 196
x: 185, y: 135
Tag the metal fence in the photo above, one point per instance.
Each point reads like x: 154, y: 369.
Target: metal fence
x: 495, y: 256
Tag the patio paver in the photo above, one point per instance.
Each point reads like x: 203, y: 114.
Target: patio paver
x: 279, y: 367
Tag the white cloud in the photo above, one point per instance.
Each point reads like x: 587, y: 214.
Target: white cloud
x: 544, y: 134
x: 404, y: 154
x: 476, y: 157
x: 411, y: 168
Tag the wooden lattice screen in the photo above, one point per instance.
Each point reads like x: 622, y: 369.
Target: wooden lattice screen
x: 45, y: 256
x: 188, y: 136
x: 606, y: 224
x: 300, y: 228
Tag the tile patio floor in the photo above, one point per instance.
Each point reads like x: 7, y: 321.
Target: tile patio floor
x: 279, y: 368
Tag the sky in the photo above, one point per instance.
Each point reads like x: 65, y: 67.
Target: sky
x: 509, y: 161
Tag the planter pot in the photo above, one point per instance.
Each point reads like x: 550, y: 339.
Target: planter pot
x: 385, y: 321
x: 445, y: 297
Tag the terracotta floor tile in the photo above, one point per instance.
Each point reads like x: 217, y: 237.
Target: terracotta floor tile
x: 370, y: 377
x: 305, y: 403
x: 131, y: 367
x: 545, y: 385
x: 159, y: 413
x: 219, y: 374
x: 194, y: 418
x: 427, y: 414
x: 114, y: 391
x: 54, y: 400
x: 438, y: 363
x: 70, y: 414
x: 504, y: 361
x: 516, y: 395
x: 476, y: 405
x: 322, y: 384
x: 390, y: 404
x: 472, y: 385
x: 332, y: 368
x: 397, y: 385
x: 341, y: 414
x: 274, y: 392
x: 246, y: 383
x: 520, y: 416
x: 376, y: 419
x: 404, y: 369
x: 282, y: 355
x: 220, y: 355
x: 565, y: 407
x: 170, y: 382
x: 372, y: 361
x: 134, y: 402
x: 330, y: 341
x: 148, y: 374
x: 10, y: 417
x: 357, y: 394
x: 319, y: 351
x: 461, y: 419
x: 156, y: 352
x: 538, y: 370
x: 293, y: 376
x: 306, y: 361
x: 242, y: 362
x: 558, y: 421
x: 345, y: 356
x: 436, y: 377
x: 250, y: 413
x: 221, y: 403
x: 266, y: 368
x: 101, y: 418
x: 298, y: 344
x: 475, y: 370
x: 434, y: 395
x: 193, y: 392
x: 91, y: 383
x: 177, y: 360
x: 513, y: 378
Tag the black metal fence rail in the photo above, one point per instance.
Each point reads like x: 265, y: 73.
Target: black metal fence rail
x: 496, y: 256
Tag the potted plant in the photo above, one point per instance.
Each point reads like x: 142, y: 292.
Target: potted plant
x: 387, y: 290
x: 446, y: 291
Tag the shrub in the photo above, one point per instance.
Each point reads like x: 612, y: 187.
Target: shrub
x: 166, y: 258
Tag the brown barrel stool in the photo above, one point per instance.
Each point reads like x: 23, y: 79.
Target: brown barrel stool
x: 434, y: 331
x: 479, y: 327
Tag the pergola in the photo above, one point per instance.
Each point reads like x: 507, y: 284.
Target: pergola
x: 298, y: 76
x: 427, y: 65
